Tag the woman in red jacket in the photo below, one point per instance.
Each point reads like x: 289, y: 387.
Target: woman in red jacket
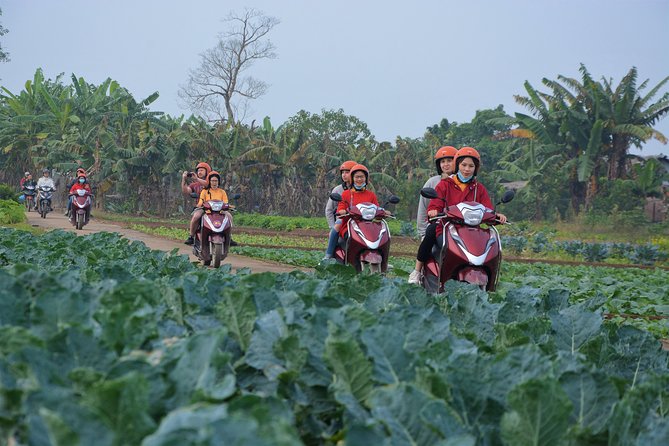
x: 358, y: 193
x: 459, y: 187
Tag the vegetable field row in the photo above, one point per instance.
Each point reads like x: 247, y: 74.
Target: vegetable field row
x: 106, y: 342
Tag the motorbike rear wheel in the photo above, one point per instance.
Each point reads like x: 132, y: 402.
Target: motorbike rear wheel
x: 218, y: 253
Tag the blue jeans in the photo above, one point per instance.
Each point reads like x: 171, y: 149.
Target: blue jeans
x: 332, y: 240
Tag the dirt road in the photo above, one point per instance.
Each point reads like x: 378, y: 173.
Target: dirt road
x: 56, y: 220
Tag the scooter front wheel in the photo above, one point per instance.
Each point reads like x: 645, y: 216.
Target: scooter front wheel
x: 218, y: 254
x: 431, y: 283
x: 80, y: 222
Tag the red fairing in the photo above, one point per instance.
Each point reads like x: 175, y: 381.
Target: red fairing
x: 473, y: 275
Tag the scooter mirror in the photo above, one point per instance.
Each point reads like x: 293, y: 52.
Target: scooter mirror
x: 194, y: 195
x: 508, y: 195
x: 428, y: 192
x: 236, y: 196
x: 394, y: 199
x: 334, y: 196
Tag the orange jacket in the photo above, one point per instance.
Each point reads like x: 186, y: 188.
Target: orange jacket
x: 212, y: 194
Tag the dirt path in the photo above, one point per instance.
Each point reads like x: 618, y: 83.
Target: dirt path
x: 56, y: 220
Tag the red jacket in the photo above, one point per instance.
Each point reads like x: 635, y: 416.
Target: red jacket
x: 76, y: 186
x: 353, y: 197
x: 450, y: 190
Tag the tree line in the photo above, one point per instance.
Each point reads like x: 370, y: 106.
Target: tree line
x: 570, y: 152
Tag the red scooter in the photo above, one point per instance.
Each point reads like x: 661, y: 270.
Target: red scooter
x: 215, y: 231
x: 80, y: 211
x: 465, y: 250
x: 368, y: 243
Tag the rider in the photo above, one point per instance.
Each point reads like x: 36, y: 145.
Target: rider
x: 459, y: 187
x: 80, y: 183
x: 28, y: 181
x: 358, y: 193
x: 443, y: 159
x: 24, y: 178
x: 44, y: 181
x: 331, y: 207
x: 198, y: 181
x: 211, y: 192
x: 75, y: 180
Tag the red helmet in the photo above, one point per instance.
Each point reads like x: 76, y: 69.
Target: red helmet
x: 81, y: 170
x: 467, y: 152
x: 358, y: 167
x: 206, y: 167
x: 346, y: 165
x: 444, y: 152
x: 211, y: 174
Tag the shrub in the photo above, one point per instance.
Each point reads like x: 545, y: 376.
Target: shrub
x: 7, y: 192
x: 11, y: 212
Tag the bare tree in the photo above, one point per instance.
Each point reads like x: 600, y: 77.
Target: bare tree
x: 217, y: 87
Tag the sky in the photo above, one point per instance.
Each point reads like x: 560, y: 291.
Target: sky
x: 398, y: 66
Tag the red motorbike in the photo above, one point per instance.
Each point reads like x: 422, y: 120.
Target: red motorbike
x: 212, y: 241
x: 80, y: 211
x: 469, y: 248
x: 368, y: 243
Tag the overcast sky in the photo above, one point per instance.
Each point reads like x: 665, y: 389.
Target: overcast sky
x: 399, y: 66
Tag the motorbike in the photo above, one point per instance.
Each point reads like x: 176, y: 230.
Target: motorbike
x: 29, y: 193
x: 80, y: 211
x: 212, y: 240
x: 469, y: 248
x: 45, y: 194
x: 368, y: 243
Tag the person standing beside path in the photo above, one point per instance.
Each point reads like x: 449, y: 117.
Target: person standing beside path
x: 443, y: 160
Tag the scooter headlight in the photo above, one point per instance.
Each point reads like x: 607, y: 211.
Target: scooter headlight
x: 81, y: 192
x: 368, y: 211
x: 472, y: 215
x: 216, y: 206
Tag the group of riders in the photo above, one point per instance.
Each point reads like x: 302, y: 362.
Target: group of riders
x: 80, y: 181
x: 454, y: 183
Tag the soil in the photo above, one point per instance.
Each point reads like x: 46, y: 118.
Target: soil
x: 56, y: 220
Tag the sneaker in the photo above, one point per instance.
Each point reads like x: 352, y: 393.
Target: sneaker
x: 189, y: 240
x: 414, y: 277
x: 67, y: 213
x: 233, y: 243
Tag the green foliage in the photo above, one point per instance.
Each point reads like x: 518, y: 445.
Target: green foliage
x: 7, y: 192
x: 103, y: 341
x: 11, y: 212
